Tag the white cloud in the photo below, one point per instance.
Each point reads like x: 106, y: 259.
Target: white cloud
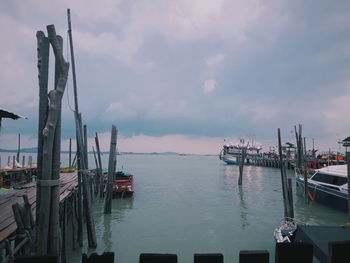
x: 214, y: 60
x: 209, y: 86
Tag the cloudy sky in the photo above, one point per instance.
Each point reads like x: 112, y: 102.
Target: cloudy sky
x: 183, y: 75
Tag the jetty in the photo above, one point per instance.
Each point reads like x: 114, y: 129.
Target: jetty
x: 17, y: 230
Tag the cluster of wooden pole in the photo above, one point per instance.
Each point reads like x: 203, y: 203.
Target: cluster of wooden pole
x: 286, y: 183
x: 112, y: 163
x: 301, y: 150
x: 49, y: 142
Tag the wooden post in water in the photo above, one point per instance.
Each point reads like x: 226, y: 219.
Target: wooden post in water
x: 86, y: 147
x: 82, y: 174
x: 48, y: 230
x: 241, y: 164
x: 283, y: 177
x: 100, y: 182
x: 111, y: 170
x: 43, y: 75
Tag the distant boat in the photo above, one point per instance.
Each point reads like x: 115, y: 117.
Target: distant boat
x: 327, y: 186
x: 231, y: 153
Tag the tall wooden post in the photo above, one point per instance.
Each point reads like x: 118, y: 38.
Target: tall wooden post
x: 48, y: 234
x: 43, y: 75
x: 111, y: 170
x: 348, y: 166
x: 82, y: 174
x: 283, y: 177
x: 86, y: 146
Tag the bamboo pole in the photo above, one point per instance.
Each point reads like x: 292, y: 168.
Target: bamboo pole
x: 111, y: 170
x: 100, y: 179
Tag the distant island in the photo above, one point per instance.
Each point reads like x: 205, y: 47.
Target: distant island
x: 35, y: 150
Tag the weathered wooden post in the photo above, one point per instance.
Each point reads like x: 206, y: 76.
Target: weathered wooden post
x: 70, y: 152
x: 283, y: 177
x: 48, y: 228
x: 100, y: 179
x: 43, y: 68
x: 82, y: 164
x: 23, y: 160
x: 111, y: 170
x: 19, y: 147
x: 348, y: 166
x: 241, y: 164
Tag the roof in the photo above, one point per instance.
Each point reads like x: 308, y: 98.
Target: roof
x: 11, y: 115
x: 339, y: 170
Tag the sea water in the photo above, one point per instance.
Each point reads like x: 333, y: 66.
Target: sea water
x: 193, y: 204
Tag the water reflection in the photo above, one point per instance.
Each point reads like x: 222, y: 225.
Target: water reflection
x: 243, y: 208
x: 107, y: 233
x: 120, y: 208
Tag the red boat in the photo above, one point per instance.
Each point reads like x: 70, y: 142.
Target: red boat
x: 123, y: 185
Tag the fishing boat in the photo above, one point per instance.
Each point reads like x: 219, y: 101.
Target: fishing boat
x: 231, y: 153
x: 123, y: 184
x: 327, y: 186
x: 285, y: 231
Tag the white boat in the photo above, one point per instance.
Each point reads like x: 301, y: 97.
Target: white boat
x: 285, y: 231
x: 328, y: 186
x: 231, y: 153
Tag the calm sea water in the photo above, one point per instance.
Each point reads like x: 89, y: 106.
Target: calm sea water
x: 192, y: 204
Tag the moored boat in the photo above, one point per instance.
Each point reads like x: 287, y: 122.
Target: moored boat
x: 327, y: 186
x: 285, y: 231
x: 123, y: 184
x: 231, y: 153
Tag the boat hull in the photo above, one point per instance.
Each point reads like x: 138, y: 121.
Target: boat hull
x: 325, y: 195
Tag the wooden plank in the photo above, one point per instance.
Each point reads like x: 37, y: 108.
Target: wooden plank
x: 68, y: 183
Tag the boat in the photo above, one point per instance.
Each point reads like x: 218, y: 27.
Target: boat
x: 285, y: 231
x: 123, y: 184
x: 327, y: 186
x: 231, y: 153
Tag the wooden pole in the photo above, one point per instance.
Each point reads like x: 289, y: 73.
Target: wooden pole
x: 348, y: 166
x: 56, y: 161
x: 99, y: 171
x: 70, y: 152
x: 81, y: 154
x: 111, y: 170
x: 19, y: 147
x: 283, y: 177
x: 43, y: 68
x: 241, y: 164
x: 47, y: 181
x: 86, y: 147
x: 78, y: 131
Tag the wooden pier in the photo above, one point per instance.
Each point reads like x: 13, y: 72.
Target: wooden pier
x: 10, y: 177
x: 14, y: 230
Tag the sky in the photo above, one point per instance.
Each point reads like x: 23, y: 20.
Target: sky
x: 184, y: 75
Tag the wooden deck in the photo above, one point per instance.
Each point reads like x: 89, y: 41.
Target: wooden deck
x: 68, y: 181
